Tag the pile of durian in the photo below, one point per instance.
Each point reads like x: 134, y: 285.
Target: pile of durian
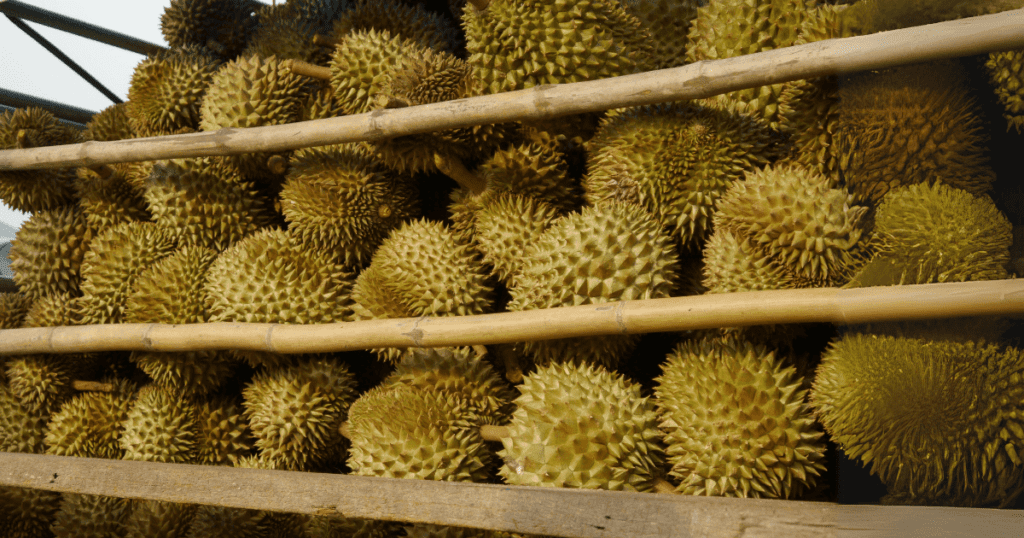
x: 875, y: 179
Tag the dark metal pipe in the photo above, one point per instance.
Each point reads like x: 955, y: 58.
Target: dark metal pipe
x: 74, y: 115
x: 14, y: 8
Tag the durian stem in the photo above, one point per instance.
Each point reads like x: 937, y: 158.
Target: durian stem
x: 513, y: 370
x: 454, y: 169
x: 92, y: 386
x: 309, y: 70
x: 490, y: 432
x: 325, y: 41
x: 663, y: 486
x: 278, y: 164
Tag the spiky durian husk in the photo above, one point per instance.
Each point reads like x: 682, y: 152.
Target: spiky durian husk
x: 337, y: 199
x: 675, y: 160
x: 736, y: 421
x: 607, y: 252
x: 27, y: 512
x: 914, y: 124
x: 158, y: 519
x: 406, y: 21
x: 90, y: 516
x: 89, y: 424
x: 52, y: 311
x: 729, y: 28
x: 870, y: 16
x: 938, y: 422
x: 733, y: 264
x: 203, y: 202
x: 582, y: 426
x: 115, y: 259
x: 938, y: 234
x: 235, y: 522
x: 222, y: 26
x: 109, y: 124
x: 1006, y: 72
x: 112, y: 200
x: 223, y: 436
x: 514, y: 45
x: 319, y: 103
x: 295, y: 412
x: 342, y: 527
x: 669, y: 22
x: 363, y: 64
x: 295, y: 285
x: 505, y: 226
x: 285, y: 33
x: 795, y: 216
x: 401, y: 432
x: 167, y: 89
x: 161, y: 426
x: 35, y: 190
x: 13, y: 309
x: 47, y: 252
x: 43, y: 382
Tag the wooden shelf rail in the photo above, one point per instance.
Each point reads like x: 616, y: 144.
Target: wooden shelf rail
x: 828, y: 305
x: 573, y: 513
x: 976, y: 35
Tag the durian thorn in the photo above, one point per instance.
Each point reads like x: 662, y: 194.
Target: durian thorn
x: 278, y: 164
x: 480, y: 5
x: 92, y: 386
x: 21, y: 140
x: 663, y: 486
x: 325, y: 41
x: 480, y: 350
x: 490, y: 432
x: 454, y: 169
x: 102, y: 170
x: 309, y: 70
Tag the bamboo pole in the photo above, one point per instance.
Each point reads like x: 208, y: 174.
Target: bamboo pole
x: 976, y: 35
x: 816, y: 305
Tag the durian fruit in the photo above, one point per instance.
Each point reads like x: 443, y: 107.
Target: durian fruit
x: 676, y: 160
x: 111, y: 123
x: 110, y: 198
x: 89, y: 424
x: 797, y: 217
x: 90, y: 516
x: 43, y: 382
x: 223, y: 436
x: 27, y: 512
x: 912, y: 124
x: 730, y: 28
x: 319, y: 103
x: 938, y: 234
x: 337, y: 199
x: 343, y: 527
x: 115, y: 259
x: 161, y: 426
x: 1006, y: 72
x: 167, y: 89
x: 421, y: 270
x: 407, y: 21
x: 22, y: 427
x: 669, y: 22
x: 203, y: 202
x: 505, y: 226
x: 13, y: 308
x: 870, y: 16
x: 222, y: 26
x: 35, y: 190
x: 736, y: 421
x: 47, y: 252
x: 286, y: 30
x: 155, y: 519
x: 937, y: 421
x: 401, y: 432
x: 295, y: 412
x: 52, y: 311
x: 582, y: 426
x: 363, y: 63
x: 514, y: 45
x: 605, y: 253
x: 294, y: 284
x: 733, y: 264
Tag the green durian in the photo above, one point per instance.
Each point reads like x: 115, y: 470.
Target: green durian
x: 116, y: 258
x: 286, y: 31
x: 90, y: 516
x: 111, y: 200
x: 111, y: 123
x: 937, y: 421
x: 937, y: 234
x: 295, y: 285
x: 89, y: 424
x: 13, y: 308
x: 669, y: 22
x: 52, y: 311
x: 223, y: 435
x: 407, y: 21
x: 43, y: 382
x: 1016, y: 265
x: 582, y: 426
x: 362, y: 65
x: 47, y: 252
x: 319, y: 103
x: 161, y: 426
x: 337, y: 199
x: 155, y: 519
x: 504, y: 227
x: 167, y: 90
x: 736, y: 421
x: 1006, y: 72
x: 222, y: 26
x: 401, y: 432
x: 605, y: 253
x: 675, y: 160
x: 870, y: 16
x: 31, y: 191
x: 733, y: 264
x: 797, y: 217
x: 514, y: 45
x: 27, y: 512
x: 22, y: 427
x: 295, y: 412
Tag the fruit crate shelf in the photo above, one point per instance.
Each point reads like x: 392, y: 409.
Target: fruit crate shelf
x: 543, y: 511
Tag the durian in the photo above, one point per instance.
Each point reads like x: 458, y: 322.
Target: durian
x: 27, y: 512
x: 42, y: 382
x: 90, y: 516
x: 363, y: 63
x: 407, y: 21
x: 223, y: 435
x: 286, y: 31
x: 1006, y: 72
x: 22, y: 427
x: 222, y: 26
x: 161, y: 426
x: 669, y: 22
x: 167, y: 89
x: 937, y: 421
x: 89, y: 424
x: 582, y: 426
x: 35, y: 190
x: 505, y: 226
x: 110, y: 199
x: 733, y: 264
x: 13, y: 308
x: 156, y: 519
x: 736, y: 422
x: 111, y: 123
x: 47, y: 252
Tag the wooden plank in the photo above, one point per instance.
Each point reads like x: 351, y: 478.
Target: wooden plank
x: 860, y: 305
x: 533, y: 510
x: 1001, y: 31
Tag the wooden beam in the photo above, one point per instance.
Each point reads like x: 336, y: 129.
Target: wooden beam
x: 563, y: 512
x: 1001, y: 31
x: 817, y: 305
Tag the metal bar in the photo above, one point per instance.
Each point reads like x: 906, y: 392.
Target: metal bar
x: 71, y: 114
x: 13, y: 8
x: 64, y: 58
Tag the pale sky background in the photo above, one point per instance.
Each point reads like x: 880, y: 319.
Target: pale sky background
x: 26, y: 67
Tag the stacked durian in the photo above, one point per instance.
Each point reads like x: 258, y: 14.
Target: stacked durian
x: 875, y: 179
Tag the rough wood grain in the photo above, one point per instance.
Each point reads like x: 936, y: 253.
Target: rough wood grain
x: 844, y: 306
x: 1001, y: 31
x: 532, y: 510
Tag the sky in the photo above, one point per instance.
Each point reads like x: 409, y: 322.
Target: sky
x: 26, y: 67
